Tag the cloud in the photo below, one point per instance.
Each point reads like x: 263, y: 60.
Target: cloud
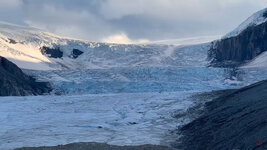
x: 78, y: 24
x: 10, y: 3
x: 116, y: 9
x: 10, y: 11
x: 96, y: 20
x: 122, y: 39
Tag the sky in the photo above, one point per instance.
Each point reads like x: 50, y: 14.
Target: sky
x: 130, y: 21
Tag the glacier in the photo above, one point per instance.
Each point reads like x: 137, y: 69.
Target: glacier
x: 122, y: 106
x: 112, y: 93
x: 121, y: 119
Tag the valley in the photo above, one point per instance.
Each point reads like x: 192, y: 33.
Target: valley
x: 126, y: 94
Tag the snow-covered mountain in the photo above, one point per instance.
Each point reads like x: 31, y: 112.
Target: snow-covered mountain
x: 242, y: 45
x: 254, y: 20
x: 31, y: 48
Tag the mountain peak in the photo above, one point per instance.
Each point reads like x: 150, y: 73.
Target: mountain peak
x: 256, y: 19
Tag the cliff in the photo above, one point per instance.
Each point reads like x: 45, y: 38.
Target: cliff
x: 13, y: 82
x: 243, y: 44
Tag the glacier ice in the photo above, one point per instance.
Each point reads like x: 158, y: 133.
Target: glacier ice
x: 118, y: 94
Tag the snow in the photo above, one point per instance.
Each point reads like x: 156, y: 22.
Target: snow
x: 121, y: 119
x: 256, y: 19
x: 27, y: 55
x: 187, y: 41
x: 258, y: 62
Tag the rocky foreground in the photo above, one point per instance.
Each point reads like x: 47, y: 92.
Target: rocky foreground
x: 236, y: 120
x: 14, y: 82
x: 98, y: 146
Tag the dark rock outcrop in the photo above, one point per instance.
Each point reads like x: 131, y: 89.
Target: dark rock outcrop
x: 76, y: 53
x: 12, y: 41
x: 51, y: 52
x: 236, y: 120
x: 13, y: 82
x: 239, y: 49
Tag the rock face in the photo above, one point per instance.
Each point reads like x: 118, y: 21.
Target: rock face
x: 236, y: 120
x: 13, y: 82
x: 239, y: 49
x: 76, y: 53
x: 51, y: 52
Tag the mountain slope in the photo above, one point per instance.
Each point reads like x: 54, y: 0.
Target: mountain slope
x: 254, y: 20
x: 236, y: 120
x: 243, y: 44
x: 14, y: 82
x: 258, y: 62
x: 34, y: 49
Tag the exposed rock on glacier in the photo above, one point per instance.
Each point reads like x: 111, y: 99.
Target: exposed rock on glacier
x: 76, y: 53
x: 13, y: 82
x: 51, y: 52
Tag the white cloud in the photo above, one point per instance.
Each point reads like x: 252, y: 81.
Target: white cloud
x: 122, y: 39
